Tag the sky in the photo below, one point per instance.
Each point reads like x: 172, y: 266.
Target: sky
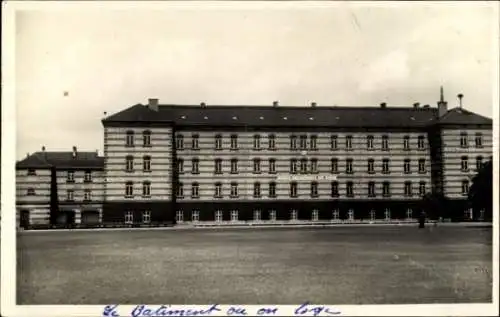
x: 343, y: 54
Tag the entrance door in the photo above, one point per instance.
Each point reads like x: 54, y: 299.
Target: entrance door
x: 24, y: 220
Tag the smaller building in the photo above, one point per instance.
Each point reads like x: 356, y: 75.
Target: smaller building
x: 59, y: 188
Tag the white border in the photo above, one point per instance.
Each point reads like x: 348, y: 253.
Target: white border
x: 8, y: 150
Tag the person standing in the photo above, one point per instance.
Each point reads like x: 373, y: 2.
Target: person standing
x: 421, y: 219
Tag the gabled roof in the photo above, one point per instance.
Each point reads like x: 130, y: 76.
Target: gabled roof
x: 462, y: 116
x: 280, y: 116
x: 62, y: 160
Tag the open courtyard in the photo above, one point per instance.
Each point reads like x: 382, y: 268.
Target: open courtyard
x: 337, y: 265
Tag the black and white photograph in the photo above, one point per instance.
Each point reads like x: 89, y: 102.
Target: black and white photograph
x: 326, y: 157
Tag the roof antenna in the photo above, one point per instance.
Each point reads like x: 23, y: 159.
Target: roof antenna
x: 460, y: 96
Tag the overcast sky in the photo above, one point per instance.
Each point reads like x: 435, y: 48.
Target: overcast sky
x: 342, y: 55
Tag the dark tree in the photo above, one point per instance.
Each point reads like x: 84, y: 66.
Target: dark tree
x: 481, y: 192
x: 434, y: 205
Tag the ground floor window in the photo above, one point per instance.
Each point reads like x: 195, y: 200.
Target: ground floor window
x: 272, y: 215
x: 129, y: 217
x: 373, y: 215
x: 336, y: 214
x: 315, y: 215
x: 293, y: 214
x: 218, y: 215
x: 195, y: 215
x: 146, y: 216
x: 468, y: 213
x: 179, y: 216
x: 256, y: 215
x: 481, y: 214
x: 351, y: 214
x: 234, y: 215
x: 409, y: 214
x: 387, y: 215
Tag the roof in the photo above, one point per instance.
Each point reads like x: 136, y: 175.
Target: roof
x: 286, y: 116
x: 62, y: 160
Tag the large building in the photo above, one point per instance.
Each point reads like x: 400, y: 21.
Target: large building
x: 172, y: 163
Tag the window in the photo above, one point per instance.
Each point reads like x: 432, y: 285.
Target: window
x: 421, y: 189
x: 234, y: 215
x: 31, y: 172
x: 272, y: 215
x: 386, y: 189
x: 129, y: 189
x: 314, y: 165
x: 350, y: 214
x: 234, y: 166
x: 303, y: 165
x: 303, y: 142
x: 479, y: 162
x: 146, y: 163
x: 146, y: 189
x: 218, y: 142
x: 195, y: 215
x: 408, y: 189
x: 409, y: 214
x: 256, y: 142
x: 333, y: 142
x: 464, y: 164
x: 369, y: 142
x: 234, y: 190
x: 195, y: 142
x: 218, y: 215
x: 479, y: 140
x: 314, y: 189
x: 421, y: 165
x: 218, y: 190
x: 180, y: 190
x: 271, y: 140
x: 70, y: 195
x: 421, y: 142
x: 385, y: 142
x: 407, y: 166
x: 463, y: 140
x: 406, y: 142
x: 146, y: 216
x: 87, y: 178
x: 179, y: 216
x: 129, y: 217
x: 293, y: 142
x: 371, y: 189
x: 335, y: 189
x: 256, y: 166
x: 335, y: 214
x: 349, y: 189
x: 179, y: 142
x: 348, y: 142
x: 195, y: 166
x: 373, y: 215
x: 371, y: 166
x: 387, y: 214
x: 293, y: 214
x: 180, y: 166
x: 293, y: 166
x: 385, y: 166
x: 465, y: 187
x: 348, y: 166
x: 129, y: 163
x: 315, y: 215
x: 272, y: 189
x: 129, y: 140
x: 334, y: 166
x: 218, y: 166
x: 256, y: 190
x: 146, y: 138
x: 234, y: 142
x: 256, y: 215
x: 293, y: 189
x: 195, y: 190
x: 272, y: 166
x: 70, y: 177
x: 314, y: 142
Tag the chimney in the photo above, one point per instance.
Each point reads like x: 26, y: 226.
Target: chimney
x: 275, y: 103
x: 460, y: 96
x: 383, y: 105
x: 415, y: 105
x: 153, y: 104
x: 203, y: 105
x: 442, y: 105
x: 74, y: 151
x: 313, y: 104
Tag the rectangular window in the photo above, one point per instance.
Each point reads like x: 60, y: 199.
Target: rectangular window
x: 335, y: 214
x: 256, y: 142
x: 234, y: 215
x: 272, y: 166
x: 195, y: 166
x: 195, y: 142
x: 218, y: 166
x: 314, y: 189
x: 129, y: 165
x: 421, y: 166
x: 218, y: 142
x: 180, y: 190
x: 129, y: 140
x: 373, y: 215
x: 334, y: 166
x: 179, y: 216
x: 386, y: 189
x: 195, y: 190
x: 303, y: 165
x: 421, y: 142
x: 195, y: 216
x: 371, y: 189
x: 350, y: 214
x: 272, y: 190
x: 479, y: 140
x: 271, y: 138
x: 218, y: 190
x: 146, y: 216
x: 479, y: 162
x: 179, y: 142
x: 463, y: 140
x: 70, y: 195
x: 256, y: 215
x: 406, y: 142
x: 293, y: 166
x: 465, y: 187
x: 314, y: 142
x: 409, y: 214
x: 146, y: 138
x: 293, y: 189
x: 387, y: 214
x: 87, y: 177
x: 146, y: 189
x: 31, y: 172
x: 256, y: 166
x: 180, y: 166
x: 349, y: 189
x: 234, y: 190
x: 315, y: 215
x: 129, y: 217
x: 369, y: 142
x: 218, y: 215
x: 333, y: 142
x: 348, y: 166
x: 70, y: 178
x: 234, y: 142
x: 407, y: 166
x: 314, y: 165
x: 272, y: 215
x: 371, y: 166
x: 335, y: 189
x: 293, y: 214
x: 464, y: 164
x: 129, y: 189
x: 385, y: 166
x: 385, y: 142
x: 31, y: 192
x: 408, y: 189
x: 421, y: 189
x: 303, y: 142
x: 348, y: 142
x: 234, y: 166
x: 146, y: 164
x: 256, y: 190
x: 293, y: 142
